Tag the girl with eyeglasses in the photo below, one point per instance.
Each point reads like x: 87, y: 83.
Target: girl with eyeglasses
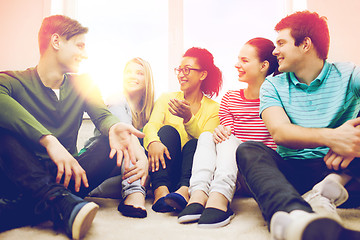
x: 176, y: 122
x: 214, y: 172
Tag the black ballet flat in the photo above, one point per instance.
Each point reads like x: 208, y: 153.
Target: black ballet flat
x: 131, y: 211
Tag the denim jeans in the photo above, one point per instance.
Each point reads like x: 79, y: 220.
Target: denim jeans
x: 214, y: 167
x: 277, y: 184
x: 178, y: 170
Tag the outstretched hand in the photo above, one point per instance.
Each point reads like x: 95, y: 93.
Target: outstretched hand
x: 120, y: 143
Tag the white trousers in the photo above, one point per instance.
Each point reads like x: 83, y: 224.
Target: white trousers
x: 214, y: 166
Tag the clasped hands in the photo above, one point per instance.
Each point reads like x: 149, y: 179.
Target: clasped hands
x: 346, y: 145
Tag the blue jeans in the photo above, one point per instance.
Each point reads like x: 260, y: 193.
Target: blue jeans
x: 116, y: 187
x: 277, y: 185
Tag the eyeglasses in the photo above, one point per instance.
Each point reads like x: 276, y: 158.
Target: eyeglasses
x: 185, y: 70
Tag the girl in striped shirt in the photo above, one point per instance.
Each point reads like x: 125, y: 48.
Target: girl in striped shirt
x: 214, y: 173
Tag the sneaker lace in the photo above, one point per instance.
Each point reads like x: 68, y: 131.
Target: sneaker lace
x: 55, y: 212
x: 320, y: 200
x: 10, y: 201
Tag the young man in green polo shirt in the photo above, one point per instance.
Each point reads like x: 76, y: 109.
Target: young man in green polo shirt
x: 41, y: 113
x: 311, y: 112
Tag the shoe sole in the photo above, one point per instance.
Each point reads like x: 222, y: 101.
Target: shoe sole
x: 218, y: 224
x: 189, y: 218
x: 83, y: 220
x: 332, y: 230
x: 320, y: 227
x: 131, y: 211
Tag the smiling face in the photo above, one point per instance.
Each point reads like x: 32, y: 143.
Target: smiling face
x: 193, y: 80
x: 289, y: 56
x: 134, y: 79
x: 248, y: 65
x: 71, y: 52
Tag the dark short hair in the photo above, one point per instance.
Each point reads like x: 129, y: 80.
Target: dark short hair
x: 211, y: 85
x: 264, y: 48
x: 308, y: 24
x: 60, y: 24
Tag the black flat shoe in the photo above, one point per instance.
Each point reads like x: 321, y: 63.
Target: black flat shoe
x: 191, y: 213
x: 213, y: 218
x: 131, y: 211
x: 162, y: 206
x: 175, y: 200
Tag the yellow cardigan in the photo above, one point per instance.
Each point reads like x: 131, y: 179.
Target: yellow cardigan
x: 206, y: 119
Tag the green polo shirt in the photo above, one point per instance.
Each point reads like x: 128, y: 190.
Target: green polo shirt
x: 33, y: 110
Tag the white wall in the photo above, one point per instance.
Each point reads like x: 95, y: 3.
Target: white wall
x: 20, y: 21
x: 344, y: 25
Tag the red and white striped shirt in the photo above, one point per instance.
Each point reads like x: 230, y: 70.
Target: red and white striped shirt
x: 242, y: 115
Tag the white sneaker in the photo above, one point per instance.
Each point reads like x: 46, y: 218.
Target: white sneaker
x: 278, y: 225
x: 301, y: 225
x: 325, y: 197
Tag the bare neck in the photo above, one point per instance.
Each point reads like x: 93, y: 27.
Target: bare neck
x: 193, y: 97
x: 134, y: 101
x: 50, y: 72
x: 310, y: 70
x: 253, y: 89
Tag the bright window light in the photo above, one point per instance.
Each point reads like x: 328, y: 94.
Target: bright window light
x: 299, y: 5
x: 223, y: 27
x: 56, y: 7
x: 122, y: 29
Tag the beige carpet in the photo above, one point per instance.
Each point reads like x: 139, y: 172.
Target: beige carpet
x: 110, y: 224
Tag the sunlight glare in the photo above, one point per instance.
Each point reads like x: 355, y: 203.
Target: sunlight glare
x: 120, y: 31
